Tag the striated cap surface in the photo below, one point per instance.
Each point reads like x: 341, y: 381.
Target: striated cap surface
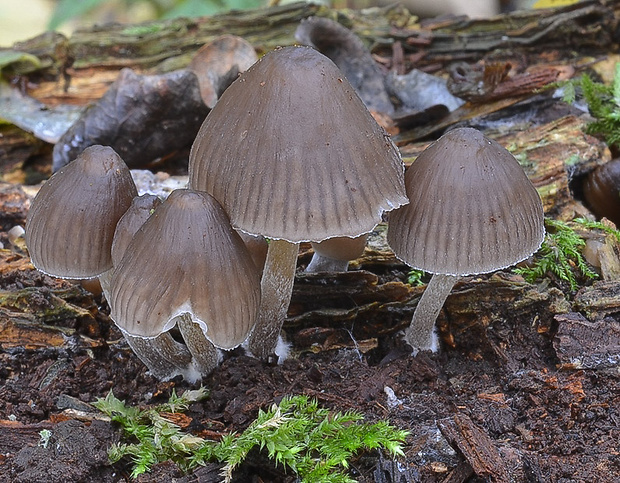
x: 473, y: 209
x: 71, y: 223
x: 292, y: 153
x: 186, y: 258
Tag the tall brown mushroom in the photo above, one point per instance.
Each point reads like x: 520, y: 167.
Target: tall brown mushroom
x: 293, y: 154
x: 473, y: 210
x: 187, y: 265
x: 72, y: 219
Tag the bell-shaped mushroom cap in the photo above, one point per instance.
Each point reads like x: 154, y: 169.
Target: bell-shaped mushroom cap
x: 71, y: 223
x: 292, y: 153
x: 186, y: 258
x: 473, y: 209
x: 142, y: 207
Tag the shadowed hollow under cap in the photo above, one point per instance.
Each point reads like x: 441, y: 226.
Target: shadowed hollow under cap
x: 292, y: 153
x: 473, y: 209
x: 71, y: 223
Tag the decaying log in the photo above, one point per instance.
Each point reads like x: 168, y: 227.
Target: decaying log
x: 586, y: 25
x: 32, y: 303
x: 78, y: 69
x: 333, y: 310
x: 582, y: 344
x: 599, y: 300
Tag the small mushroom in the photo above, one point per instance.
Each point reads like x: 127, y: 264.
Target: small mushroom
x: 72, y: 219
x: 141, y: 208
x: 473, y: 210
x: 334, y: 254
x: 292, y: 153
x: 164, y: 356
x: 187, y: 265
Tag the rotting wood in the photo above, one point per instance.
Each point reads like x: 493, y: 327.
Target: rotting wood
x: 599, y: 300
x: 474, y: 305
x: 582, y: 344
x: 589, y: 24
x: 476, y: 446
x: 79, y: 69
x: 15, y: 435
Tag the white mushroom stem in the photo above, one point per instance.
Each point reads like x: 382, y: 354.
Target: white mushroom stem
x: 205, y: 355
x: 333, y: 254
x: 164, y: 357
x: 320, y: 263
x: 420, y: 335
x: 276, y: 291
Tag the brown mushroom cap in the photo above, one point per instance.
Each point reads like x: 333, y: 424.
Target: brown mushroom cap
x: 142, y: 207
x: 473, y: 209
x: 292, y: 153
x: 186, y: 258
x: 601, y: 190
x: 71, y: 223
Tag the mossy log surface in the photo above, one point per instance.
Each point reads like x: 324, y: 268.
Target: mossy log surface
x: 78, y: 69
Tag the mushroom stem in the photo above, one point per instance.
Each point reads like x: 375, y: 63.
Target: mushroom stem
x: 320, y: 263
x: 164, y: 357
x: 276, y: 291
x: 205, y: 355
x: 420, y: 335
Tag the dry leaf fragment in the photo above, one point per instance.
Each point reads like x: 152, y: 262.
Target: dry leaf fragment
x: 142, y: 117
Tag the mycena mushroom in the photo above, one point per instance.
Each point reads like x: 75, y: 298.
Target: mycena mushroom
x: 72, y: 219
x: 292, y: 153
x: 164, y: 356
x: 187, y: 266
x: 473, y: 210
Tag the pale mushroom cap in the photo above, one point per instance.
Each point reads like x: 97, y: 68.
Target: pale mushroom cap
x: 473, y: 209
x: 292, y: 153
x: 186, y: 258
x: 341, y: 248
x: 71, y: 223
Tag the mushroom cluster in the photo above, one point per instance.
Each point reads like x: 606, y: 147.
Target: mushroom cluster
x: 293, y: 154
x: 289, y: 153
x: 162, y: 265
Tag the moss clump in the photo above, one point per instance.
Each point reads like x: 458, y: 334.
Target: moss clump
x: 313, y: 442
x: 560, y: 255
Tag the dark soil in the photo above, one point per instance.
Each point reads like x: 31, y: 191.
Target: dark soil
x: 495, y: 404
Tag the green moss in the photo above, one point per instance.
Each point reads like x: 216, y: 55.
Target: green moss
x: 603, y: 103
x: 560, y: 254
x: 297, y: 434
